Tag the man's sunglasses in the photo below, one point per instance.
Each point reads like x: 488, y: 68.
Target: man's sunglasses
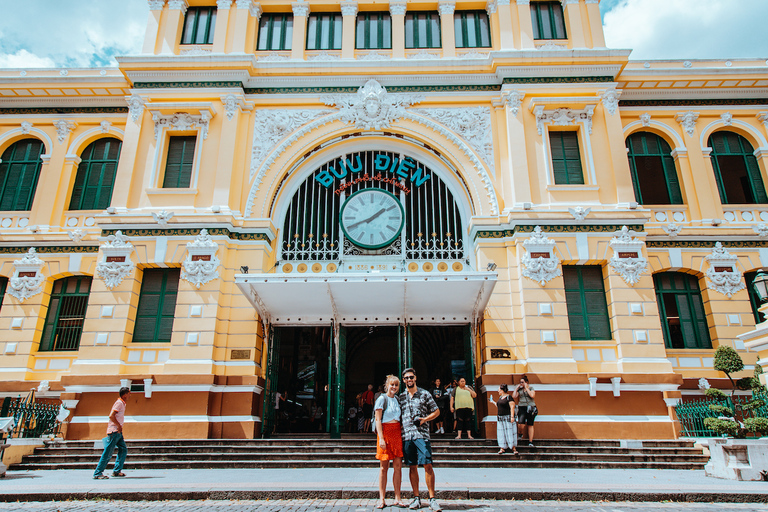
x: 409, y: 378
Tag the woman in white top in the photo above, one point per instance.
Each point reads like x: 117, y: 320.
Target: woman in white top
x: 389, y: 438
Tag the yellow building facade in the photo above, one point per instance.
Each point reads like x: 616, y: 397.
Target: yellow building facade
x: 476, y: 189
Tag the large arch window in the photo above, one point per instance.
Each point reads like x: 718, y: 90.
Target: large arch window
x: 96, y: 175
x: 654, y: 176
x: 66, y: 314
x: 682, y: 311
x: 736, y: 170
x: 19, y: 173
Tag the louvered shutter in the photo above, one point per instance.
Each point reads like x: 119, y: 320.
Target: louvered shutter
x: 178, y: 167
x: 566, y: 159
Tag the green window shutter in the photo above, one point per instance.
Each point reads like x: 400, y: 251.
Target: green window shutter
x: 3, y: 286
x: 199, y: 25
x: 19, y: 174
x: 566, y: 159
x: 586, y: 304
x: 471, y: 29
x: 548, y: 20
x: 324, y: 31
x: 650, y: 162
x: 275, y: 32
x: 681, y: 308
x: 157, y: 305
x: 422, y: 30
x: 64, y: 321
x: 178, y: 167
x: 737, y: 172
x: 374, y: 31
x: 95, y: 176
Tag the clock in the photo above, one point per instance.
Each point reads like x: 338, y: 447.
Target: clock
x: 372, y: 218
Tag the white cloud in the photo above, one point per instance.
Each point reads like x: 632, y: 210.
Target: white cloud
x: 695, y: 29
x: 24, y: 59
x: 74, y: 33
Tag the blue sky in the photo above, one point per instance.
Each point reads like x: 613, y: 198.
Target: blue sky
x: 89, y: 33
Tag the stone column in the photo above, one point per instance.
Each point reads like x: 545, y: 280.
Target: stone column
x: 687, y: 186
x: 595, y: 24
x: 448, y: 37
x: 519, y: 180
x: 501, y: 23
x: 349, y: 17
x: 573, y: 23
x: 53, y: 185
x: 397, y: 10
x: 625, y: 192
x: 153, y: 26
x: 245, y: 29
x: 222, y: 24
x: 173, y: 26
x: 300, y: 14
x: 526, y: 25
x: 227, y: 144
x: 128, y: 153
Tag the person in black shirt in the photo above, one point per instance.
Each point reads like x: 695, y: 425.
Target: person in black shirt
x: 438, y: 393
x: 506, y: 426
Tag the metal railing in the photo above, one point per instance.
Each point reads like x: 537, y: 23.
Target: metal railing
x: 34, y: 419
x: 692, y: 413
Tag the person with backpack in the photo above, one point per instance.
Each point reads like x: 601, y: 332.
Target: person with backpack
x: 389, y: 441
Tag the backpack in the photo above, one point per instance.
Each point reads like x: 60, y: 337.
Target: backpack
x: 373, y: 419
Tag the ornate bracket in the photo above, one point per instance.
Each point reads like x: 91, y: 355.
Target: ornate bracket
x: 372, y: 107
x: 201, y: 264
x: 28, y: 278
x: 563, y: 117
x: 181, y: 121
x: 722, y: 271
x: 628, y: 260
x: 540, y: 262
x: 116, y: 264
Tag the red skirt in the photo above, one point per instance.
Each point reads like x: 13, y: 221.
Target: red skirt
x: 394, y: 439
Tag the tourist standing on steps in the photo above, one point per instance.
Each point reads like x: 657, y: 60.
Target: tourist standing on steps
x: 463, y: 403
x: 506, y: 426
x: 114, y: 438
x: 438, y: 394
x: 389, y: 438
x: 526, y: 408
x: 418, y: 409
x: 367, y: 407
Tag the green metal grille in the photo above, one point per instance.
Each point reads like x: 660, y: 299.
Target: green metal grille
x: 692, y: 413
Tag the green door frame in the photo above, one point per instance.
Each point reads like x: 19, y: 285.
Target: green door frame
x: 339, y: 360
x: 270, y: 381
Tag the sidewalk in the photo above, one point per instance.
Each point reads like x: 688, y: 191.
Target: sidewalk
x: 340, y: 483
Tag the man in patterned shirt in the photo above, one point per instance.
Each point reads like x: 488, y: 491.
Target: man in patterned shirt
x: 418, y: 409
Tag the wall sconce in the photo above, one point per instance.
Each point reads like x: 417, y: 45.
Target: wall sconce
x: 244, y: 269
x: 491, y: 267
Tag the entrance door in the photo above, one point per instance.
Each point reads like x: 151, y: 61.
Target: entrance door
x: 442, y: 352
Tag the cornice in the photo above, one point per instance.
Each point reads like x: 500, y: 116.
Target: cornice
x: 40, y: 248
x: 551, y: 229
x: 47, y: 111
x: 64, y: 103
x: 262, y: 235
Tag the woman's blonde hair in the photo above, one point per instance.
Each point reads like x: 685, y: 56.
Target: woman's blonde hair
x: 390, y: 378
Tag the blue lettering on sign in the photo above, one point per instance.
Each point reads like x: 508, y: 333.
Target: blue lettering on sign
x: 404, y: 168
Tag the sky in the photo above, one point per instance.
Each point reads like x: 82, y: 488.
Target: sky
x: 89, y: 33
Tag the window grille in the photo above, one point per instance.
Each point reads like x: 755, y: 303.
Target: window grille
x: 374, y: 31
x: 96, y: 175
x: 199, y: 25
x: 738, y: 175
x: 324, y: 31
x: 683, y: 319
x: 275, y: 32
x: 651, y: 165
x: 548, y: 20
x: 422, y: 30
x: 66, y: 314
x: 471, y: 29
x: 19, y: 172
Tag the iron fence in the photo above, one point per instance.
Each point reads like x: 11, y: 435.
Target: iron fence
x: 34, y: 419
x: 692, y: 413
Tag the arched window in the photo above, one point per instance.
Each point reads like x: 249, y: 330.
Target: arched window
x: 682, y: 311
x: 736, y: 170
x: 66, y: 314
x: 652, y: 165
x: 96, y: 175
x: 19, y: 172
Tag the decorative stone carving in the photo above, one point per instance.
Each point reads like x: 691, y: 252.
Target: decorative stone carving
x: 162, y: 217
x: 181, y: 121
x: 271, y: 126
x: 27, y: 280
x: 722, y: 273
x: 763, y: 118
x: 541, y: 264
x: 26, y: 127
x: 552, y: 46
x: 201, y: 264
x: 374, y: 55
x: 473, y: 54
x: 645, y: 119
x: 348, y: 8
x: 491, y: 6
x: 178, y: 5
x: 195, y: 50
x: 672, y: 229
x: 116, y: 264
x: 324, y: 56
x: 397, y: 8
x: 472, y: 123
x: 105, y: 126
x: 424, y: 55
x: 63, y: 129
x: 761, y: 230
x: 704, y: 384
x: 446, y: 7
x: 513, y: 100
x: 687, y: 64
x: 156, y: 5
x: 726, y: 118
x: 628, y: 260
x: 610, y: 100
x: 371, y: 108
x: 300, y: 9
x: 76, y: 235
x: 274, y: 57
x: 579, y: 213
x: 231, y: 103
x: 135, y: 106
x: 688, y: 121
x: 563, y: 117
x: 223, y: 4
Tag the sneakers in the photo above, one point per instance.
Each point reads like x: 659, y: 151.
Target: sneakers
x: 434, y: 505
x: 531, y: 445
x: 441, y: 431
x: 415, y: 503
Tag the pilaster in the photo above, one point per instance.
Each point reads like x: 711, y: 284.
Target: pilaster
x: 300, y: 14
x: 128, y: 154
x: 246, y: 22
x: 525, y: 28
x: 702, y: 179
x: 573, y: 23
x: 173, y: 26
x: 349, y: 17
x: 595, y: 24
x: 448, y: 38
x: 52, y: 187
x: 222, y: 25
x: 153, y: 27
x: 397, y: 9
x: 503, y: 17
x: 620, y: 173
x: 519, y: 179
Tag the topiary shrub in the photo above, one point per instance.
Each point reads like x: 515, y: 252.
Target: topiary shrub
x: 715, y: 394
x: 754, y: 404
x: 745, y: 383
x: 722, y: 427
x: 728, y: 361
x: 721, y: 410
x: 756, y: 425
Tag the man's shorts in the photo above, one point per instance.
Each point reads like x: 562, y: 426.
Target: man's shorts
x: 417, y: 452
x: 524, y: 417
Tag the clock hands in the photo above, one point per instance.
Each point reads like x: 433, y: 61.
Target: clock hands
x: 369, y: 219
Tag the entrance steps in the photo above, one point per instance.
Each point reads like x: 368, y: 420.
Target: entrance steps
x: 303, y: 451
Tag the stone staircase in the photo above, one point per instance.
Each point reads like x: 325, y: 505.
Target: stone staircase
x: 359, y: 451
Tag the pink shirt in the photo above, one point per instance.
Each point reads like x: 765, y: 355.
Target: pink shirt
x: 119, y: 416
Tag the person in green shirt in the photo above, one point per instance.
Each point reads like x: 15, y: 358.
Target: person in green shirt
x: 463, y: 403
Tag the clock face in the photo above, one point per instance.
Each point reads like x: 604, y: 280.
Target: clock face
x: 372, y: 218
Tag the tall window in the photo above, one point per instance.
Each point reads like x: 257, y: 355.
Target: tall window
x: 157, y: 305
x: 566, y: 158
x: 654, y: 176
x: 682, y: 310
x: 96, y: 175
x: 19, y: 172
x: 3, y: 285
x: 422, y: 30
x: 548, y: 20
x: 754, y: 300
x: 275, y: 32
x: 66, y: 314
x: 374, y: 31
x: 178, y: 165
x: 585, y: 299
x: 199, y: 25
x: 736, y: 170
x: 471, y: 29
x: 324, y: 31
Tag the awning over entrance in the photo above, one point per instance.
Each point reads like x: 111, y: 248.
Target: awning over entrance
x: 375, y: 298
